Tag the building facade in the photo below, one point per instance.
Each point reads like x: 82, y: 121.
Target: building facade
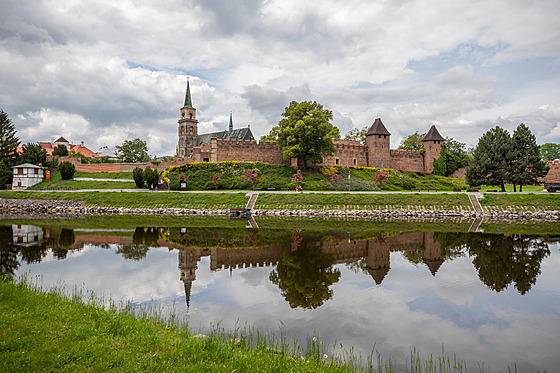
x: 26, y: 175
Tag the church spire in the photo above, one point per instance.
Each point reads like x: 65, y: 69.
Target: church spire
x: 188, y: 102
x: 230, y: 122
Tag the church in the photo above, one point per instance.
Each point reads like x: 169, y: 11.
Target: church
x: 188, y: 130
x: 240, y: 145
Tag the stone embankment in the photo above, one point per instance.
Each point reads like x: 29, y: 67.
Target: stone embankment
x: 31, y: 208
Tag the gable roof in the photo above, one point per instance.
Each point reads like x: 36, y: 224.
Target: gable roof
x: 62, y: 139
x: 378, y: 128
x: 238, y: 134
x: 26, y: 165
x: 84, y: 151
x: 433, y: 135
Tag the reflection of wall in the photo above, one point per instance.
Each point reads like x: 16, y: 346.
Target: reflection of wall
x: 27, y: 235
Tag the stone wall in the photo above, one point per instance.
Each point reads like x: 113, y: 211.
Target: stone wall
x: 553, y: 175
x: 406, y: 160
x: 247, y: 150
x: 348, y: 153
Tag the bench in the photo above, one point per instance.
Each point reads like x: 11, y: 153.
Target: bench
x: 257, y: 188
x: 491, y: 190
x: 414, y: 189
x: 285, y: 189
x: 432, y: 190
x: 456, y: 190
x: 271, y: 189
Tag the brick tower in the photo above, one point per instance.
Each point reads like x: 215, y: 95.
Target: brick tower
x: 432, y: 144
x: 378, y: 141
x: 188, y: 127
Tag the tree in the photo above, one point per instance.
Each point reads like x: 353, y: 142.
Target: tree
x: 526, y: 165
x: 34, y: 154
x: 67, y: 170
x: 9, y: 142
x: 5, y: 175
x: 356, y: 134
x: 60, y: 150
x: 550, y: 151
x: 133, y: 151
x: 490, y: 159
x: 452, y: 157
x: 138, y: 176
x: 305, y: 132
x: 413, y: 142
x: 151, y: 176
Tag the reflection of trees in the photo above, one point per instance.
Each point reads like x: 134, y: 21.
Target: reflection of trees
x: 304, y: 277
x: 8, y: 253
x: 504, y: 259
x: 141, y: 242
x: 34, y: 254
x: 452, y: 244
x: 66, y: 238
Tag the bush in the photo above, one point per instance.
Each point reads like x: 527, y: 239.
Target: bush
x: 67, y: 170
x: 138, y: 176
x: 151, y: 176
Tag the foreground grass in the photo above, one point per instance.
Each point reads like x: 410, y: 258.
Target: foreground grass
x: 44, y: 331
x: 294, y: 201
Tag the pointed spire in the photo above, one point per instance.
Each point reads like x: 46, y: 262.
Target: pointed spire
x: 230, y: 122
x: 188, y: 102
x: 433, y: 135
x: 378, y: 128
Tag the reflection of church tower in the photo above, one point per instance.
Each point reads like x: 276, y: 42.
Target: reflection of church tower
x: 432, y: 256
x: 188, y: 127
x: 188, y: 268
x: 377, y: 260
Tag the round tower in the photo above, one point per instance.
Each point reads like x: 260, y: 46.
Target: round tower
x: 378, y: 142
x: 432, y: 146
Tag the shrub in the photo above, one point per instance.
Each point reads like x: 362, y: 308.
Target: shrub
x: 138, y: 176
x: 151, y: 176
x: 67, y: 170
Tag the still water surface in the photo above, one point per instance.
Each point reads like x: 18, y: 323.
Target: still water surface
x: 488, y: 298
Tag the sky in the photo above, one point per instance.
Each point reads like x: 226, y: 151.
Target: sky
x: 104, y: 71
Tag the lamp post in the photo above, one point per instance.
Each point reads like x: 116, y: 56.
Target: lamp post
x: 348, y: 180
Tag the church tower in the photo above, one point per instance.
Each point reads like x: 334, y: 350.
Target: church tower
x: 188, y: 127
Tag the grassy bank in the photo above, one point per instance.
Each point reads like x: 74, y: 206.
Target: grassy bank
x: 48, y: 331
x: 44, y: 331
x: 363, y: 201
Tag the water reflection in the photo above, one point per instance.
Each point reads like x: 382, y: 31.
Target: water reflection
x: 304, y: 263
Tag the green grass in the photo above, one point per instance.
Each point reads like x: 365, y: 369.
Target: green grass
x: 528, y: 201
x: 366, y: 201
x: 77, y: 185
x: 139, y: 199
x: 104, y: 175
x: 47, y: 331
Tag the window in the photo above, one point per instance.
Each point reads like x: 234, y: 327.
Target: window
x: 20, y: 171
x: 382, y: 146
x: 182, y: 130
x: 191, y: 131
x: 191, y: 142
x: 190, y: 115
x: 336, y: 161
x: 205, y: 160
x: 183, y: 114
x: 36, y: 171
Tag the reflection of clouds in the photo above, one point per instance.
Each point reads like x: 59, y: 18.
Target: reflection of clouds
x: 411, y: 309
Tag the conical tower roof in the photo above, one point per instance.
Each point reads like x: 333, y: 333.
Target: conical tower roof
x: 433, y: 135
x: 230, y: 122
x: 188, y: 102
x: 378, y: 128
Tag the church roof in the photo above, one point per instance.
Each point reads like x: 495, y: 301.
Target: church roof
x: 433, y: 135
x: 378, y: 274
x: 188, y: 102
x: 238, y: 134
x: 378, y: 128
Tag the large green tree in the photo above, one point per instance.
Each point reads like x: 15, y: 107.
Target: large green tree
x: 133, y: 151
x: 413, y: 142
x: 34, y: 154
x: 490, y: 159
x: 9, y: 141
x: 550, y: 151
x: 5, y: 175
x: 60, y: 150
x: 452, y: 157
x: 525, y: 163
x: 305, y: 132
x: 357, y: 134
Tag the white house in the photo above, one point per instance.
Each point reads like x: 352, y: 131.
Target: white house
x: 26, y: 175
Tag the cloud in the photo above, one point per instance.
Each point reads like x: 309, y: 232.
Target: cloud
x: 122, y: 66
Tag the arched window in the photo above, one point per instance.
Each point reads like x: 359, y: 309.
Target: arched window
x: 191, y: 131
x: 190, y: 115
x: 182, y: 130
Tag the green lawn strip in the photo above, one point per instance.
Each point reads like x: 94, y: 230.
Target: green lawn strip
x: 521, y: 202
x: 343, y: 201
x: 44, y: 331
x: 77, y: 184
x: 139, y: 199
x: 104, y: 175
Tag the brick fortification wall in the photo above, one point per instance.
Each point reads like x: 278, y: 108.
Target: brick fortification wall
x: 247, y: 150
x: 553, y: 175
x: 348, y: 153
x: 406, y: 160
